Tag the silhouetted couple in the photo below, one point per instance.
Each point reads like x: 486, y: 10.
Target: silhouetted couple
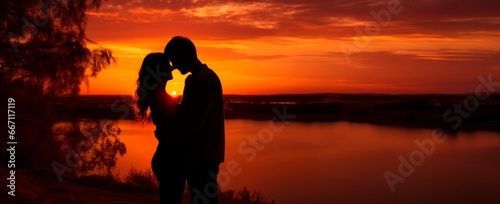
x: 190, y: 134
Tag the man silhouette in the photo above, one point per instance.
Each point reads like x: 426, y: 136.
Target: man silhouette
x: 202, y: 120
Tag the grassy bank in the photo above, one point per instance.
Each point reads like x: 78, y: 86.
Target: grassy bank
x: 40, y: 185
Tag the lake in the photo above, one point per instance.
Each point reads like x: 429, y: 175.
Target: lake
x: 343, y: 162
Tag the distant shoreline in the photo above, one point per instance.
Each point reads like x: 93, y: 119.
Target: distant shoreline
x: 466, y: 128
x: 415, y: 111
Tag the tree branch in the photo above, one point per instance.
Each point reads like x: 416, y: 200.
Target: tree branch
x: 40, y: 128
x: 37, y: 47
x: 27, y: 75
x: 9, y: 13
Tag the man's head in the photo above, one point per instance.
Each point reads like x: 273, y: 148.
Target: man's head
x: 182, y: 53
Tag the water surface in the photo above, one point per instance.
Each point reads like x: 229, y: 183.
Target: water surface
x: 342, y: 162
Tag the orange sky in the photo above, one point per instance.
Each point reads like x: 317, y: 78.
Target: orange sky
x: 297, y: 46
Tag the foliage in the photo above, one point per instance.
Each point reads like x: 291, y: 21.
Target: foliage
x: 254, y: 196
x: 143, y: 178
x: 45, y: 55
x: 92, y: 145
x: 44, y: 43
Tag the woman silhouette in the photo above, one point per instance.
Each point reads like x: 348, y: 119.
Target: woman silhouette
x: 168, y: 161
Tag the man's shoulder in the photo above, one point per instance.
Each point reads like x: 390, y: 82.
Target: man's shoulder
x: 210, y: 73
x: 208, y: 70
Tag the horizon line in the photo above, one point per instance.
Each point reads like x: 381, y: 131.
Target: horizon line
x: 316, y: 93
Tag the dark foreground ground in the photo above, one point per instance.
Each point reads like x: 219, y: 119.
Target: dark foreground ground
x: 34, y: 186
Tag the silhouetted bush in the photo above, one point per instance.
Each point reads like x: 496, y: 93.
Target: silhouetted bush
x: 143, y: 178
x: 254, y: 196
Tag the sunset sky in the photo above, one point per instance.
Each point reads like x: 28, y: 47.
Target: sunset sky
x: 298, y: 46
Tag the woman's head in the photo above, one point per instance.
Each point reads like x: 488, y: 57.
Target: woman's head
x: 154, y: 73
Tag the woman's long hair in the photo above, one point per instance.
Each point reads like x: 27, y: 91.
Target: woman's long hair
x: 142, y: 98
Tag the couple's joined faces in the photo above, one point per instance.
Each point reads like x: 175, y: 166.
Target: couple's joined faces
x: 166, y: 66
x: 179, y: 64
x: 164, y: 69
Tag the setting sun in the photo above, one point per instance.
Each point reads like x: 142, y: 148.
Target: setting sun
x: 174, y: 93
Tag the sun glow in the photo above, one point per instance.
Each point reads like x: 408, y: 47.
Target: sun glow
x: 174, y: 93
